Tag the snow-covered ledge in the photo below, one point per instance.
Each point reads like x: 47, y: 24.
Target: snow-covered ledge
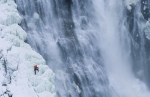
x: 17, y: 59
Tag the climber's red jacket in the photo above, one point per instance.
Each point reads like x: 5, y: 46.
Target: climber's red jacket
x: 35, y: 67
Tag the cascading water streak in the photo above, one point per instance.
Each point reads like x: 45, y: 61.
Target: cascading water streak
x: 63, y: 32
x: 115, y: 47
x: 86, y: 43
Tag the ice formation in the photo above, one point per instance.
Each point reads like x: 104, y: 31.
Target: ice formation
x: 129, y: 3
x: 17, y: 59
x: 147, y: 29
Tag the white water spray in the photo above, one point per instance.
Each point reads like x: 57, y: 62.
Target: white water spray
x: 114, y: 53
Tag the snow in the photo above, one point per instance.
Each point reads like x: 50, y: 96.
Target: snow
x: 17, y: 59
x: 147, y: 29
x: 16, y: 31
x: 9, y: 14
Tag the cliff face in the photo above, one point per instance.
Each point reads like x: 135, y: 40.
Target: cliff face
x: 77, y: 40
x: 139, y: 27
x: 17, y: 59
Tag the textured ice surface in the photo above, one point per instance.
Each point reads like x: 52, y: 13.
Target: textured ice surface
x: 147, y: 29
x: 17, y: 59
x: 129, y: 3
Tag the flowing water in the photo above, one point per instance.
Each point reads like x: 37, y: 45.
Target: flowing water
x: 89, y: 44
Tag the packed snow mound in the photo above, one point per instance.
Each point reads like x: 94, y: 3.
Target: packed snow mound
x: 17, y: 59
x: 15, y: 30
x: 9, y: 12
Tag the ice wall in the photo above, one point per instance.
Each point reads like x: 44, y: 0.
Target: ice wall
x: 130, y: 3
x: 17, y: 59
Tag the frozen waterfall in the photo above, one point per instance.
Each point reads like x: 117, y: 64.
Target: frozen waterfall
x: 97, y: 48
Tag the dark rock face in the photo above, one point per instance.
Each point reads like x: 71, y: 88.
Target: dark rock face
x: 145, y: 8
x: 139, y: 43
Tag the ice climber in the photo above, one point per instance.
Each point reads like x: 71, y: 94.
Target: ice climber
x: 36, y: 68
